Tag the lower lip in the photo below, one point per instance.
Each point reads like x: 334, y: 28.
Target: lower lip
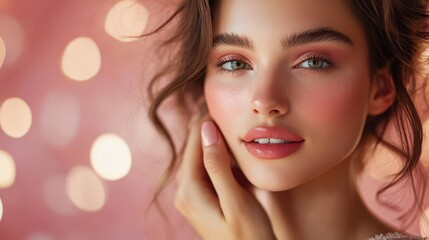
x: 272, y: 151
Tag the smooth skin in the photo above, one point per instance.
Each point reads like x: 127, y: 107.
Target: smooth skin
x: 312, y: 193
x: 276, y: 84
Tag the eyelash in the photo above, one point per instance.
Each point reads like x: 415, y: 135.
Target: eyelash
x: 222, y: 61
x: 328, y: 62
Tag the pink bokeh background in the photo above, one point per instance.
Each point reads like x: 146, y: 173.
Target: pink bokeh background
x: 68, y: 116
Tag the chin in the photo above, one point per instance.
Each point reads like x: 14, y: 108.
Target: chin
x: 273, y: 184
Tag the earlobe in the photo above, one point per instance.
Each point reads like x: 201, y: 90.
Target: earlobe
x: 383, y: 92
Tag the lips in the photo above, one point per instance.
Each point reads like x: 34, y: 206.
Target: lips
x: 272, y: 142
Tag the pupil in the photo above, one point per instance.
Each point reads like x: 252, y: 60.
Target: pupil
x: 315, y: 62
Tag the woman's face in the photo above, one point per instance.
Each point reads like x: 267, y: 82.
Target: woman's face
x: 289, y: 86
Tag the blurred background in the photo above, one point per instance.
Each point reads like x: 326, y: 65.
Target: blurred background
x: 78, y: 156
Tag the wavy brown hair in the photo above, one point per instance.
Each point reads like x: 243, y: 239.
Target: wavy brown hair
x: 397, y: 35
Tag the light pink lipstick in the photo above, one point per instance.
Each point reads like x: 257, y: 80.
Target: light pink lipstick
x: 272, y: 142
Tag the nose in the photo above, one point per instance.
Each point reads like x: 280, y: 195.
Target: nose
x: 269, y: 98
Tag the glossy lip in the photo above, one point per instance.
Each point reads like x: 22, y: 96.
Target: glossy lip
x: 272, y: 151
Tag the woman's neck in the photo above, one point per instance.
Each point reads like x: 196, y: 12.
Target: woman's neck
x: 327, y: 207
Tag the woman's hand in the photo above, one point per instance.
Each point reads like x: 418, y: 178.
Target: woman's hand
x: 210, y: 197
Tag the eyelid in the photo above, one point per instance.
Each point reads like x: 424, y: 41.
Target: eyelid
x: 315, y: 55
x: 229, y: 58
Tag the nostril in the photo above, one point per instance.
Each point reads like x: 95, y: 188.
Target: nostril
x: 270, y: 112
x: 270, y: 108
x: 274, y: 111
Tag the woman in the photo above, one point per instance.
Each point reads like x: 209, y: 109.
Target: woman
x: 297, y: 95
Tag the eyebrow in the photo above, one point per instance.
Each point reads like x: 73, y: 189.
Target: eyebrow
x: 313, y: 35
x: 316, y: 35
x: 232, y: 39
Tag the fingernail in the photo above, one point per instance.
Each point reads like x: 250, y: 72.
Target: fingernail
x: 209, y: 133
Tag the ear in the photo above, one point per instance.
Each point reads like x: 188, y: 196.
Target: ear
x: 383, y: 92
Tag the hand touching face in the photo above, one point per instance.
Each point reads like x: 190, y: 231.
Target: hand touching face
x: 210, y: 197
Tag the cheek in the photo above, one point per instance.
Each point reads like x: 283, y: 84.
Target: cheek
x: 329, y: 107
x: 338, y: 111
x: 337, y: 100
x: 222, y: 102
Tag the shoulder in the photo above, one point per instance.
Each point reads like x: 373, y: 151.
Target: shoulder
x: 397, y: 236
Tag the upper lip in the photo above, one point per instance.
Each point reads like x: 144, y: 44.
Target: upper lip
x: 272, y: 132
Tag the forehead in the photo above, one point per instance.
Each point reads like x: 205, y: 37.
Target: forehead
x: 272, y: 19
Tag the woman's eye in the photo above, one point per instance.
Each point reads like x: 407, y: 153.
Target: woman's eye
x: 234, y: 65
x: 315, y: 63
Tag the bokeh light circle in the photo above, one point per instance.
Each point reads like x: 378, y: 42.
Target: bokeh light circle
x: 7, y: 170
x: 126, y: 20
x: 111, y: 157
x: 2, y: 51
x: 15, y: 117
x: 81, y: 59
x: 85, y: 189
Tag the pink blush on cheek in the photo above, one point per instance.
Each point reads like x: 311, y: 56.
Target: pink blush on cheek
x: 222, y: 102
x: 342, y: 97
x: 335, y: 110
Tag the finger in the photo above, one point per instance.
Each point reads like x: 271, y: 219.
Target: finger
x: 217, y: 164
x: 190, y: 147
x: 195, y: 196
x: 192, y: 164
x: 239, y: 207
